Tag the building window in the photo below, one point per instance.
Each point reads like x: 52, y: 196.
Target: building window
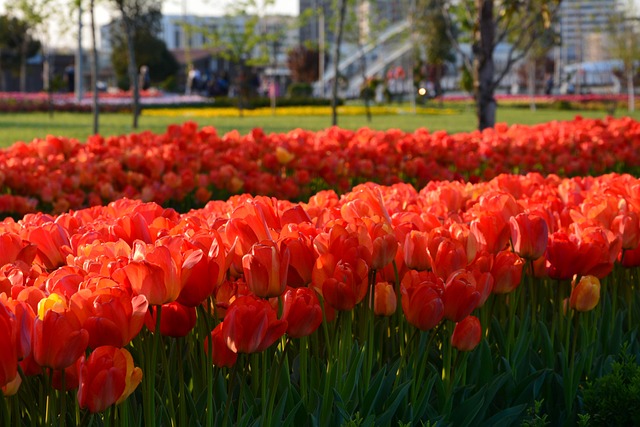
x: 176, y: 38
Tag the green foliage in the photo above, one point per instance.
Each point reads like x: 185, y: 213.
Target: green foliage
x: 534, y: 419
x: 14, y: 37
x: 614, y: 399
x: 299, y: 90
x: 149, y: 50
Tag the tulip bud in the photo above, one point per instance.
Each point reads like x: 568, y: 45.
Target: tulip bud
x: 302, y: 311
x: 529, y: 235
x: 385, y: 301
x: 415, y: 250
x: 467, y: 334
x: 586, y: 294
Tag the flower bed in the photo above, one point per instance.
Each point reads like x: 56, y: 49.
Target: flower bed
x: 187, y: 166
x: 458, y: 304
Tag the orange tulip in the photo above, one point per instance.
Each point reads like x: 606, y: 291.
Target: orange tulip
x: 416, y: 256
x: 586, y: 294
x: 467, y: 334
x: 384, y: 301
x: 108, y: 376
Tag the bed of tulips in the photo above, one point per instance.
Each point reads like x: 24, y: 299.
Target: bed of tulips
x: 187, y: 166
x: 459, y: 304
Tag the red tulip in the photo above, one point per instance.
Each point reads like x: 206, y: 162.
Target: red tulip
x: 627, y: 225
x: 176, y: 320
x: 108, y: 376
x: 461, y: 296
x: 341, y: 284
x: 114, y: 317
x: 491, y: 232
x: 422, y: 300
x: 53, y: 244
x: 221, y: 355
x: 507, y: 272
x: 8, y: 351
x: 251, y: 325
x: 447, y: 254
x: 385, y: 245
x: 302, y: 311
x: 302, y: 259
x: 58, y: 337
x: 529, y: 235
x: 152, y: 272
x: 203, y: 270
x: 24, y: 318
x: 265, y: 269
x: 467, y: 334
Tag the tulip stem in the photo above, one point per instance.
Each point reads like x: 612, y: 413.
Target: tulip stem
x: 150, y: 374
x: 232, y: 379
x: 304, y: 348
x: 274, y: 385
x: 182, y: 405
x: 63, y: 399
x: 6, y: 417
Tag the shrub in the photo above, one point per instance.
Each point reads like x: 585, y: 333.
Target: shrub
x: 614, y: 399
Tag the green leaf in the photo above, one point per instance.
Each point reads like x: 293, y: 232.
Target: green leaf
x: 506, y: 417
x: 396, y: 398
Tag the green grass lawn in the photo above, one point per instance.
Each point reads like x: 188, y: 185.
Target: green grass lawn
x: 27, y: 126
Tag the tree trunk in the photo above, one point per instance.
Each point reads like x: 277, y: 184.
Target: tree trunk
x: 3, y: 80
x: 367, y: 90
x: 342, y: 11
x: 23, y: 65
x: 483, y: 66
x: 94, y: 71
x: 133, y: 67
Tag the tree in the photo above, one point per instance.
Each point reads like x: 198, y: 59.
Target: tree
x: 342, y: 11
x: 303, y: 63
x: 14, y: 36
x: 245, y: 45
x: 95, y: 105
x: 624, y: 44
x: 490, y: 22
x: 140, y: 21
x: 432, y: 30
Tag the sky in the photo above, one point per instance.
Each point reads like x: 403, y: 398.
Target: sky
x: 62, y: 33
